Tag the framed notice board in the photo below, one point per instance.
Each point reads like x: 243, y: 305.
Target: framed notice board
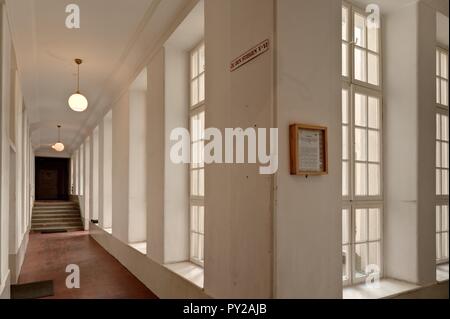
x: 308, y: 150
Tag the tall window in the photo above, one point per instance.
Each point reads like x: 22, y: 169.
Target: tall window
x: 362, y: 134
x: 197, y: 167
x: 442, y: 167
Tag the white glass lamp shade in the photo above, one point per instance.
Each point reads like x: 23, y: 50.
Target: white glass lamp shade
x: 78, y: 102
x: 59, y: 147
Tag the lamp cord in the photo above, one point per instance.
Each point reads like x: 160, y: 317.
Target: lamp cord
x: 78, y: 80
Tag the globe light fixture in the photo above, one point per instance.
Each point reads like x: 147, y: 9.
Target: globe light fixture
x: 58, y: 146
x: 78, y: 101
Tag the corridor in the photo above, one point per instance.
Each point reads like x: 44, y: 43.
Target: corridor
x: 225, y: 149
x: 101, y: 276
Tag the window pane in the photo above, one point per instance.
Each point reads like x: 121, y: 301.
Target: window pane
x: 345, y: 226
x: 345, y: 117
x: 201, y: 58
x: 373, y: 64
x: 194, y: 245
x: 194, y: 218
x: 361, y: 144
x: 444, y: 211
x: 438, y: 154
x: 438, y: 182
x: 444, y: 182
x: 438, y: 218
x: 194, y: 183
x: 374, y: 113
x: 444, y: 155
x: 374, y: 180
x: 360, y: 30
x: 344, y: 59
x: 361, y: 224
x: 374, y: 254
x: 201, y: 88
x: 194, y: 92
x: 374, y: 224
x: 438, y: 70
x: 194, y: 65
x: 438, y: 247
x: 346, y: 262
x: 438, y: 91
x: 345, y: 23
x: 345, y: 146
x: 444, y: 245
x: 372, y: 39
x: 444, y: 65
x: 444, y: 128
x: 201, y: 182
x: 444, y: 92
x: 438, y: 126
x: 360, y: 260
x: 374, y: 146
x: 201, y: 219
x: 360, y: 179
x: 360, y: 110
x: 200, y: 248
x: 345, y: 179
x: 360, y: 65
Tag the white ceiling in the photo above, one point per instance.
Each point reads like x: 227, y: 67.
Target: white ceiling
x: 45, y: 51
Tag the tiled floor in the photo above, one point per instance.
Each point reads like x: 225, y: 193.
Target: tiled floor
x: 101, y: 276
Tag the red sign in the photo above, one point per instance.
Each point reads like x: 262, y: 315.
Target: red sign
x: 249, y: 55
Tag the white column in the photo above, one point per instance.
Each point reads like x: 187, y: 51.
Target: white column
x: 410, y: 39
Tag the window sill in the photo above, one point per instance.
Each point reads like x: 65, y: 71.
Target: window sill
x: 189, y: 271
x: 108, y: 230
x: 388, y: 288
x: 140, y: 247
x: 442, y: 273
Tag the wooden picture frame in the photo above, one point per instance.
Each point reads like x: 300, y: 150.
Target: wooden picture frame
x: 308, y: 150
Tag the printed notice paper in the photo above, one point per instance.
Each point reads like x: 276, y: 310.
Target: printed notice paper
x: 309, y: 150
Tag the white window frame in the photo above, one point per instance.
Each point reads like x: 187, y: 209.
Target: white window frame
x: 443, y: 110
x: 195, y: 109
x: 352, y: 85
x: 353, y: 45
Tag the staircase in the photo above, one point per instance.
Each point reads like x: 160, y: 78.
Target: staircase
x: 56, y: 216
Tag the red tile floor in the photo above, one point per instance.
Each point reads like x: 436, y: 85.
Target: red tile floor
x: 101, y: 275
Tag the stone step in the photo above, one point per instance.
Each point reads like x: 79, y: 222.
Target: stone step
x: 55, y: 204
x: 56, y: 212
x: 62, y: 217
x: 55, y: 208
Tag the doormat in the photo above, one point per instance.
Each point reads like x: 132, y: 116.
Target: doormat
x: 54, y: 231
x: 32, y: 290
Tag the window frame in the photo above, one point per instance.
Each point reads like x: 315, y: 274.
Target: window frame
x: 353, y: 46
x: 441, y: 110
x: 353, y: 86
x: 195, y: 109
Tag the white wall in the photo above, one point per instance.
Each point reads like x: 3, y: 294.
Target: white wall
x: 16, y: 165
x: 308, y: 214
x: 137, y: 206
x: 238, y: 200
x: 106, y: 172
x: 120, y: 168
x: 155, y: 158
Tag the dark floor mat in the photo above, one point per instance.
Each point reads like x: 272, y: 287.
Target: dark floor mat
x: 32, y: 290
x: 53, y: 231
